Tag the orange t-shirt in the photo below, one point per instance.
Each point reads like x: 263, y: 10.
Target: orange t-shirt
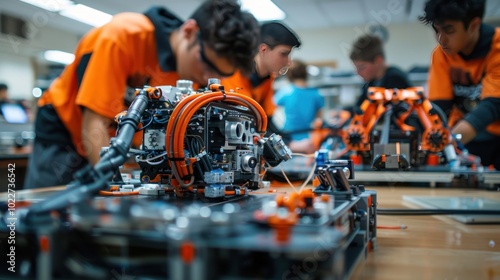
x: 105, y: 60
x: 260, y: 90
x: 455, y: 78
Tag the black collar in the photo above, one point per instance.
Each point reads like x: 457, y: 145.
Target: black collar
x: 165, y: 22
x: 255, y: 79
x: 483, y: 45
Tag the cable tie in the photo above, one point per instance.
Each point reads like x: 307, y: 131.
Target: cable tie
x: 200, y: 155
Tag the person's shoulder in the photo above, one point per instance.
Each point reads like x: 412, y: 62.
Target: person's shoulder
x: 394, y: 71
x: 496, y: 40
x: 237, y: 77
x: 438, y: 54
x: 237, y: 82
x: 313, y: 90
x: 128, y: 22
x: 395, y: 77
x: 285, y: 90
x: 127, y: 16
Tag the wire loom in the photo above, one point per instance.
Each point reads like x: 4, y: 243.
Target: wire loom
x: 176, y: 129
x: 209, y: 142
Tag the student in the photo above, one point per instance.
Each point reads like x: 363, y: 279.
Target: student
x: 275, y: 46
x: 302, y: 105
x: 5, y: 99
x: 367, y: 55
x: 4, y: 95
x: 154, y: 48
x: 464, y: 77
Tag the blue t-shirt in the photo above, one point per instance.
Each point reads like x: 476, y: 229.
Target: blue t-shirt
x: 301, y: 105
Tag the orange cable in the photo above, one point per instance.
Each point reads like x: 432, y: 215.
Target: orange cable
x: 188, y: 106
x: 190, y: 110
x: 106, y: 193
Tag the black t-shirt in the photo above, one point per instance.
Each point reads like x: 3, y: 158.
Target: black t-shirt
x: 393, y: 78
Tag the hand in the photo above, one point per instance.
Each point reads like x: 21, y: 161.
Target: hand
x: 465, y: 129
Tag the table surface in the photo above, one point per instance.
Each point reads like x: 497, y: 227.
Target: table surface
x: 13, y: 154
x: 431, y: 247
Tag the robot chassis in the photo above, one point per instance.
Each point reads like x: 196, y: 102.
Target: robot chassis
x: 190, y: 221
x: 413, y: 137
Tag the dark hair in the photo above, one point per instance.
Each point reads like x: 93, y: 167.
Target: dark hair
x: 229, y: 31
x: 463, y: 10
x: 297, y: 71
x: 275, y: 33
x: 367, y: 48
x: 3, y: 86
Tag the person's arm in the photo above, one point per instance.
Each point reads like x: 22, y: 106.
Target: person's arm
x: 269, y: 106
x: 466, y: 130
x: 362, y: 96
x: 439, y: 82
x: 95, y: 132
x: 440, y: 88
x: 487, y: 112
x: 320, y: 103
x: 101, y: 94
x: 318, y: 120
x: 266, y: 97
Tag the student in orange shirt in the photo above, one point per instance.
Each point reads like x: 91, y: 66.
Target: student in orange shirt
x: 276, y: 44
x: 464, y: 75
x: 154, y: 48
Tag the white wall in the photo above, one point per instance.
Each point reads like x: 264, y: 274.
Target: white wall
x: 20, y: 59
x: 18, y: 73
x: 409, y: 44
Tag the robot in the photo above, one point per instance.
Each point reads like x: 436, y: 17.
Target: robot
x: 397, y: 129
x: 209, y: 142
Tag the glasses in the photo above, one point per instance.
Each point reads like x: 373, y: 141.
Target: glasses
x: 283, y: 70
x: 361, y: 66
x: 207, y: 62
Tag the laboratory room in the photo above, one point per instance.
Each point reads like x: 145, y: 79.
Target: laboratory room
x: 250, y: 139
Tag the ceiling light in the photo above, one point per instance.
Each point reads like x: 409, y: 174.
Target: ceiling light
x: 52, y: 6
x: 37, y: 92
x: 72, y: 10
x: 313, y: 70
x: 59, y: 56
x: 263, y: 10
x: 86, y: 15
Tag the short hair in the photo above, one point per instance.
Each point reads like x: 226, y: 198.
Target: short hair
x: 297, y: 71
x: 229, y: 31
x: 275, y: 33
x: 3, y: 86
x: 463, y: 10
x: 367, y: 48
